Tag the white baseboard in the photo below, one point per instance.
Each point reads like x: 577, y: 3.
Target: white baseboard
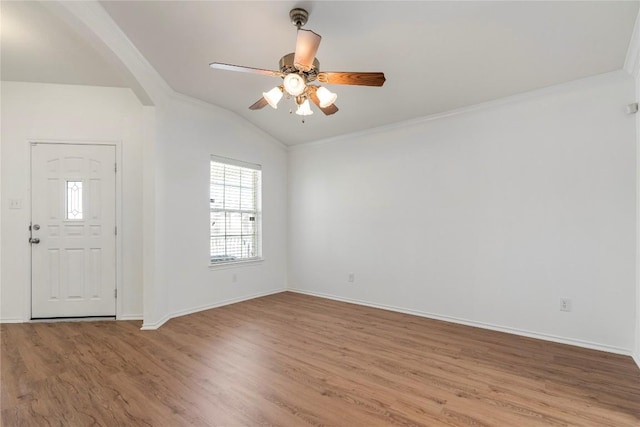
x: 130, y: 317
x: 122, y: 317
x: 636, y: 358
x: 11, y: 320
x: 156, y: 325
x: 514, y: 331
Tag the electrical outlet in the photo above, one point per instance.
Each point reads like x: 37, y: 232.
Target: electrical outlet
x: 351, y: 278
x: 565, y: 304
x: 15, y: 203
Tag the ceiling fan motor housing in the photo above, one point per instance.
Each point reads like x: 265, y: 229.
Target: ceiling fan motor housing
x: 287, y: 67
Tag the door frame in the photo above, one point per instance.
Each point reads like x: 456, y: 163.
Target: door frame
x: 118, y: 207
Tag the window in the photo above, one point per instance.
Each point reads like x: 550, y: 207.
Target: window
x: 235, y: 205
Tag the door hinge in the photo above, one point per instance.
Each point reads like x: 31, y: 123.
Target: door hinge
x: 115, y: 293
x: 115, y: 230
x: 115, y: 167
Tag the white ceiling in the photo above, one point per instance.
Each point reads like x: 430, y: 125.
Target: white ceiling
x: 437, y: 56
x: 38, y: 46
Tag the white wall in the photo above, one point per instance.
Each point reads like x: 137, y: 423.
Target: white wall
x: 637, y: 296
x: 176, y: 173
x: 177, y: 136
x: 487, y: 217
x: 44, y: 112
x: 188, y: 132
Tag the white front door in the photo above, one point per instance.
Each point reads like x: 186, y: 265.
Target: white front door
x: 73, y: 244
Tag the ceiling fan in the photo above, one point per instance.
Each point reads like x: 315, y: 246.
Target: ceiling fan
x: 299, y: 69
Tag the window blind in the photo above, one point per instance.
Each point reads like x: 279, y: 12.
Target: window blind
x: 235, y: 205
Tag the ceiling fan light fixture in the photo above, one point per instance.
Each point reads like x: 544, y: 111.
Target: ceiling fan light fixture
x: 326, y: 97
x: 301, y: 67
x: 294, y: 84
x: 304, y: 109
x: 273, y: 96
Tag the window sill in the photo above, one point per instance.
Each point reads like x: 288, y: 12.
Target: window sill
x: 235, y: 264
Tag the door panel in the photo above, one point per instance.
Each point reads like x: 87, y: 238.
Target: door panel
x: 73, y: 216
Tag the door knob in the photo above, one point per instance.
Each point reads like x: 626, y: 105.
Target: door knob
x: 34, y: 240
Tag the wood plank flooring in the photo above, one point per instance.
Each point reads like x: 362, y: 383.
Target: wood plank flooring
x: 290, y: 360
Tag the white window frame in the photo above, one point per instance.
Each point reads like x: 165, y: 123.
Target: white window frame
x: 257, y: 188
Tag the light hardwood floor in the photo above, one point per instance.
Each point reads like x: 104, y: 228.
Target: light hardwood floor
x: 290, y: 360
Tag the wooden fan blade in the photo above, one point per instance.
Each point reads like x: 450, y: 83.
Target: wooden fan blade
x: 346, y: 78
x: 306, y: 48
x: 231, y: 67
x: 331, y: 109
x: 260, y: 103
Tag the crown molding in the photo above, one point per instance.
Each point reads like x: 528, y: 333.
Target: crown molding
x: 632, y: 60
x: 496, y: 103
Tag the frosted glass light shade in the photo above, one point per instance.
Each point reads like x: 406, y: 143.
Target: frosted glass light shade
x: 326, y: 97
x: 294, y: 84
x: 304, y: 109
x: 273, y: 96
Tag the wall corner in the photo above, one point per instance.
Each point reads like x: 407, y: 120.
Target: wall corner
x: 632, y: 60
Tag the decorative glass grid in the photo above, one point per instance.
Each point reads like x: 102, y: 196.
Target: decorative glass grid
x: 74, y: 200
x: 235, y: 212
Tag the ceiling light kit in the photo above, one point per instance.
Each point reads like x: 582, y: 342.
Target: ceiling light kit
x: 300, y: 68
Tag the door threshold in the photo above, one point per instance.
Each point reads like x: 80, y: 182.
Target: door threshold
x: 73, y: 319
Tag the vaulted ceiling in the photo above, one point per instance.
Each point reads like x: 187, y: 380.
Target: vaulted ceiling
x: 38, y: 46
x: 437, y: 56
